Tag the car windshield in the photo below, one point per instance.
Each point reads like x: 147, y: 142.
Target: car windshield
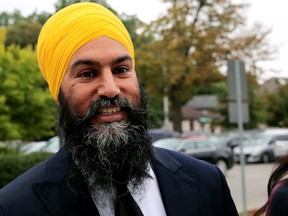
x: 187, y: 145
x: 221, y: 139
x: 169, y: 143
x: 194, y: 144
x: 257, y: 140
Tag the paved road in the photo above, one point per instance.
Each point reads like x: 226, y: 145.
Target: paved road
x: 256, y: 176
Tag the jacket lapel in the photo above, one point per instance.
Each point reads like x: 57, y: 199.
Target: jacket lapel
x: 178, y: 189
x: 55, y: 185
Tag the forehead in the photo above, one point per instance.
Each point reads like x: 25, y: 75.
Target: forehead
x: 102, y: 47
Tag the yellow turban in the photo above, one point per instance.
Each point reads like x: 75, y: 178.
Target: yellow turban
x: 68, y: 30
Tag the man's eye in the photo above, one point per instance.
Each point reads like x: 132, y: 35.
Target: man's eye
x: 121, y: 70
x: 87, y: 74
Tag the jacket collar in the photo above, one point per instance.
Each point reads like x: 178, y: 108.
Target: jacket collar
x: 177, y: 185
x: 55, y: 185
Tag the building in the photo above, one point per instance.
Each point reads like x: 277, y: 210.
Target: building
x: 199, y: 112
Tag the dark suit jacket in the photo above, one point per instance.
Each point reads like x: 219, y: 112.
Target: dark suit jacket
x: 189, y: 187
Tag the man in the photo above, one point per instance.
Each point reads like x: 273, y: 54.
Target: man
x: 87, y: 58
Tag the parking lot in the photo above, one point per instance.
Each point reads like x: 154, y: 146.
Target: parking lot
x: 256, y: 176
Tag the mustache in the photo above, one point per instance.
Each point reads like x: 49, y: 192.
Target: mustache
x: 98, y: 104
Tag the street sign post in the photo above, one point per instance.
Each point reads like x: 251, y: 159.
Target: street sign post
x: 238, y: 109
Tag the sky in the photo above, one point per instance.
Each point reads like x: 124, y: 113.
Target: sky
x: 270, y: 13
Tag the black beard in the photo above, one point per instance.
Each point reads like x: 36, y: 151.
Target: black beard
x: 106, y: 153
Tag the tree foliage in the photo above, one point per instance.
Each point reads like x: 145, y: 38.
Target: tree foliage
x: 7, y: 19
x: 64, y: 3
x: 23, y: 33
x: 26, y: 106
x: 277, y: 106
x: 191, y: 44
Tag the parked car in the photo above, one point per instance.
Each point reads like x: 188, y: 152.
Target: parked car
x: 230, y: 139
x: 205, y: 150
x: 52, y: 145
x: 280, y: 147
x: 202, y: 149
x: 32, y: 147
x: 168, y: 143
x: 274, y: 131
x: 156, y: 134
x: 263, y: 147
x: 227, y: 140
x: 193, y: 135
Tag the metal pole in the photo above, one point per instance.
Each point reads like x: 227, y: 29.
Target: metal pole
x: 240, y: 129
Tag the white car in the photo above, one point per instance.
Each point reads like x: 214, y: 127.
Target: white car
x: 33, y: 147
x: 280, y: 148
x: 262, y: 148
x: 52, y: 145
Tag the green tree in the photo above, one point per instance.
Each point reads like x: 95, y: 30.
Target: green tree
x: 191, y: 44
x: 23, y: 33
x: 4, y: 19
x: 40, y: 18
x: 132, y: 23
x: 63, y: 3
x: 27, y: 109
x: 277, y: 107
x: 7, y: 19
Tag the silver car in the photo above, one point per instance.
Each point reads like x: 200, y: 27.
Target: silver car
x: 262, y: 148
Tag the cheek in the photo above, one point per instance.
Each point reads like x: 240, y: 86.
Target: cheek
x: 134, y: 94
x: 80, y: 100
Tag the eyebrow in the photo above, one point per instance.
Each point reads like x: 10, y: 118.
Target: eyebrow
x: 95, y: 62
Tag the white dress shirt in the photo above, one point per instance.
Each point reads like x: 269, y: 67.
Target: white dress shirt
x: 147, y: 197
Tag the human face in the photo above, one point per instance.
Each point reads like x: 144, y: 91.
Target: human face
x: 101, y: 68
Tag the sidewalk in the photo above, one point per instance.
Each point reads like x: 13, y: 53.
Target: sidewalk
x: 256, y: 176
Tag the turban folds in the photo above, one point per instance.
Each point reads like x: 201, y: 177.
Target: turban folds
x: 68, y: 30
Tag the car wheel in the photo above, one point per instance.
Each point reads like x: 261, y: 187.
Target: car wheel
x: 265, y: 158
x: 221, y: 164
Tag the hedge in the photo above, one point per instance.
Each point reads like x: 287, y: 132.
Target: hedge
x: 4, y: 151
x: 12, y: 165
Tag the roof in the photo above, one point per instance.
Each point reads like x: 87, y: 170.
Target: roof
x: 190, y: 113
x: 203, y: 102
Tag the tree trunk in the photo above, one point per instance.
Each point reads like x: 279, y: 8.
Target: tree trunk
x: 176, y: 115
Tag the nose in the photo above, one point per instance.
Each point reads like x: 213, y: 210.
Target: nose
x: 108, y: 86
